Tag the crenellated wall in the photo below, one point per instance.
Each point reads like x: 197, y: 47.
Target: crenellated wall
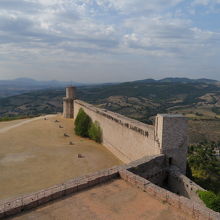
x: 127, y: 139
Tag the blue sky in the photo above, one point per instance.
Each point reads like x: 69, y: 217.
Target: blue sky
x: 109, y: 40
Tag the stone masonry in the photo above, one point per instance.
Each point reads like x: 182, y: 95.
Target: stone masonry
x: 131, y: 140
x: 68, y: 110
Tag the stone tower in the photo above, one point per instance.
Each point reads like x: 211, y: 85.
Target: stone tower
x: 68, y: 102
x: 172, y: 139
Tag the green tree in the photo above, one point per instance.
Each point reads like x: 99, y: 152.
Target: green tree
x: 205, y: 165
x: 82, y: 124
x: 95, y: 132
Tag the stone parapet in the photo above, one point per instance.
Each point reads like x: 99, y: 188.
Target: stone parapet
x: 180, y: 184
x: 26, y: 202
x: 181, y: 203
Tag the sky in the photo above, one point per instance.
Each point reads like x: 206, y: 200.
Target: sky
x: 109, y: 40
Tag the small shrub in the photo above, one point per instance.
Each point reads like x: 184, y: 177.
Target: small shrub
x: 211, y: 200
x: 95, y: 132
x: 82, y: 124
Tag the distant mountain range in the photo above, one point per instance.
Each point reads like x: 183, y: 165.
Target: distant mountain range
x: 23, y: 85
x: 178, y: 80
x: 55, y: 83
x: 31, y: 82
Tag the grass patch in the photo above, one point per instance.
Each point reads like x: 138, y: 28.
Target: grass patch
x: 14, y: 118
x: 211, y: 200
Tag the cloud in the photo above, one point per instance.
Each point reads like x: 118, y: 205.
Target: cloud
x: 100, y: 32
x: 205, y: 2
x: 130, y: 6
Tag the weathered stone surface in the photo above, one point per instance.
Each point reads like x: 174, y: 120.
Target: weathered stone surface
x: 121, y: 134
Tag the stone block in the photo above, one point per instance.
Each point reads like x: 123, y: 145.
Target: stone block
x: 58, y: 191
x: 12, y: 207
x: 141, y: 182
x: 161, y: 194
x: 103, y: 178
x: 30, y: 201
x: 173, y: 200
x: 41, y: 197
x: 214, y: 215
x: 132, y: 178
x: 186, y: 205
x: 150, y: 189
x: 12, y: 211
x: 92, y: 181
x: 197, y: 209
x: 8, y: 205
x: 45, y: 196
x: 83, y: 184
x: 71, y: 187
x: 123, y: 174
x: 2, y: 210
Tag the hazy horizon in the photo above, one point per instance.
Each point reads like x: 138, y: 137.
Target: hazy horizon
x: 98, y: 41
x: 28, y: 78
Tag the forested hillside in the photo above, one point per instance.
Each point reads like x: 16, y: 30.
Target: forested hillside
x: 141, y: 100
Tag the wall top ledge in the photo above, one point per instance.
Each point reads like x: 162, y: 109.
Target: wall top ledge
x: 171, y: 115
x: 123, y: 118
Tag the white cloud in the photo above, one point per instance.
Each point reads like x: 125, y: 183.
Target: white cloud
x: 205, y: 2
x: 101, y: 31
x: 129, y: 6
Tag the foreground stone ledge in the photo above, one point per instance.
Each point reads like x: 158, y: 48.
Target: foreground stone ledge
x: 193, y: 209
x: 15, y: 206
x: 173, y: 200
x: 162, y: 194
x: 26, y: 202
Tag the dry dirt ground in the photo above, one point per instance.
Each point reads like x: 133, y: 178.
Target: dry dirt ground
x: 115, y: 200
x: 35, y: 154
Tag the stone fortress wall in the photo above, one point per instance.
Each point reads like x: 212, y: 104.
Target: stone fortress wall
x: 181, y: 185
x: 130, y: 140
x: 127, y: 139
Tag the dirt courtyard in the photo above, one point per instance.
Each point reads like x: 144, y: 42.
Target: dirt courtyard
x: 35, y: 154
x: 116, y: 200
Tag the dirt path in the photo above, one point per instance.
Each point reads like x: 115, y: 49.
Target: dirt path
x: 9, y: 127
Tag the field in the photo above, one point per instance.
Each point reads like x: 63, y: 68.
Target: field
x: 34, y: 154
